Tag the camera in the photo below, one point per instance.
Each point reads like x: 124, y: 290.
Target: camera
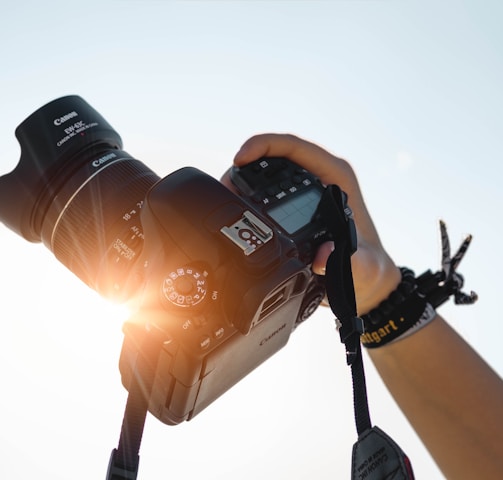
x: 217, y: 280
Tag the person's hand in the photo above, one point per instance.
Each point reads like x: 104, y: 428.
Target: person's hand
x: 374, y: 273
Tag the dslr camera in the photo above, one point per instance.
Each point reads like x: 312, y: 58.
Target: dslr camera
x: 219, y: 280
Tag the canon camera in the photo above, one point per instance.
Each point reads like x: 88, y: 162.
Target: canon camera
x: 216, y: 280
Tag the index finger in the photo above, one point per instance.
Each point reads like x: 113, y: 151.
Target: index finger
x: 329, y: 168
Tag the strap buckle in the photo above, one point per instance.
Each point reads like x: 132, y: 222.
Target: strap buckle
x: 116, y: 471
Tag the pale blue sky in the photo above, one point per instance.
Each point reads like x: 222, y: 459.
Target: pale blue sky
x: 408, y: 91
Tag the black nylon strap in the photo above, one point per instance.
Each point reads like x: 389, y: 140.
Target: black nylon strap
x: 124, y: 460
x: 341, y: 294
x: 375, y: 455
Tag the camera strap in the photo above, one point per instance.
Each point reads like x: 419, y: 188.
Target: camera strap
x: 124, y: 460
x: 375, y: 455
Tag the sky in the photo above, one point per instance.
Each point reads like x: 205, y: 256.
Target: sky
x: 408, y: 91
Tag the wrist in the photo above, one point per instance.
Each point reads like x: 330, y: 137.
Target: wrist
x: 382, y: 282
x: 405, y: 311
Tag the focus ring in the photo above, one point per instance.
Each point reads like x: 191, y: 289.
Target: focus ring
x: 93, y: 225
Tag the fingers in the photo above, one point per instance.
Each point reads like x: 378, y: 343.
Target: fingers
x: 329, y: 168
x: 321, y: 257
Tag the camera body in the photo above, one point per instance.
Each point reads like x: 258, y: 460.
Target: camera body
x: 217, y: 281
x: 224, y: 289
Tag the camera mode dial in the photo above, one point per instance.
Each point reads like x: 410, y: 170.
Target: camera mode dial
x: 185, y: 286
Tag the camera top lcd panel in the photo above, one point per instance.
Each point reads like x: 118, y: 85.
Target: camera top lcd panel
x: 289, y: 195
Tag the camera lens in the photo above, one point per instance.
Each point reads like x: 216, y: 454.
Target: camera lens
x: 92, y: 225
x: 79, y: 193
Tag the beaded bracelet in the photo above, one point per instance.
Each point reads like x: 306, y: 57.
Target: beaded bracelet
x: 404, y: 312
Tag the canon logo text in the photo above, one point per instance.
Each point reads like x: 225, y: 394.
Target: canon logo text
x: 59, y: 121
x: 104, y: 159
x: 266, y: 339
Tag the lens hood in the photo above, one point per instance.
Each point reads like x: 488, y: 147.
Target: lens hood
x: 52, y: 142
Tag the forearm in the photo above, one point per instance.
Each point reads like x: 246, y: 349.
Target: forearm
x: 452, y: 398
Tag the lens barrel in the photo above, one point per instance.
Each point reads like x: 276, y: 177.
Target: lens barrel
x: 93, y: 224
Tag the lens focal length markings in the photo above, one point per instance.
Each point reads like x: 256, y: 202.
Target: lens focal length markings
x: 126, y: 247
